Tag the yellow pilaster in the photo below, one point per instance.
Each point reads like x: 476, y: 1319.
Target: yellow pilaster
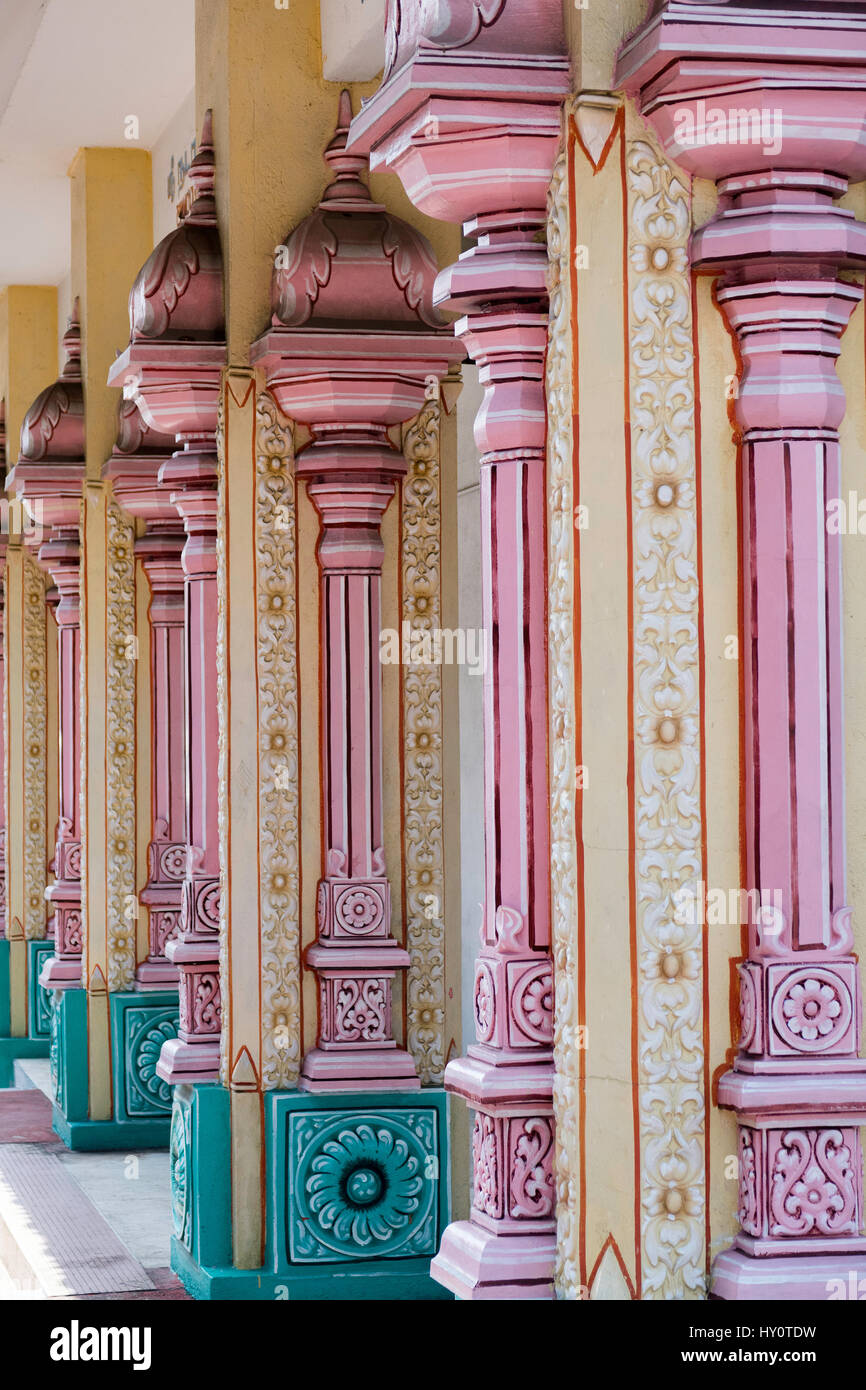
x: 112, y: 235
x: 28, y: 363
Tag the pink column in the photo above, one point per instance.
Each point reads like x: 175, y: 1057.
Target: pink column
x: 779, y: 241
x: 194, y: 1054
x: 3, y: 543
x: 327, y: 368
x: 48, y: 477
x: 453, y: 121
x: 172, y: 370
x: 134, y: 468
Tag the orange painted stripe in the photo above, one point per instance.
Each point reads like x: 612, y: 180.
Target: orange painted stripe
x: 630, y: 777
x: 702, y: 766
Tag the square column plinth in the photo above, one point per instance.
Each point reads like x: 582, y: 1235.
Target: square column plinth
x: 140, y: 1025
x: 357, y: 1195
x: 33, y: 1043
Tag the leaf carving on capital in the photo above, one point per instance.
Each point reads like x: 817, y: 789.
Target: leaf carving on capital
x: 421, y: 562
x: 162, y: 281
x: 666, y: 682
x: 42, y: 420
x: 413, y: 267
x: 34, y: 718
x: 296, y: 286
x: 563, y: 758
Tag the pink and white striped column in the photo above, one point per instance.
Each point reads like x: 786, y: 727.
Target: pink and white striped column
x: 327, y: 368
x: 779, y: 242
x: 172, y: 370
x: 48, y: 478
x: 134, y: 470
x: 454, y: 120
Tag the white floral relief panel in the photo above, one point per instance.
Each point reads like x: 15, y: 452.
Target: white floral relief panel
x: 667, y: 814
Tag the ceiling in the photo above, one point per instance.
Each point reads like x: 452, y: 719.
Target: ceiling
x: 71, y: 71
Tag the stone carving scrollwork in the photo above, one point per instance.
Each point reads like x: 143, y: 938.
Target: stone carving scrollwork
x: 666, y: 713
x: 279, y: 811
x: 561, y: 647
x: 422, y: 750
x: 222, y: 743
x: 120, y: 759
x: 82, y: 761
x: 35, y: 714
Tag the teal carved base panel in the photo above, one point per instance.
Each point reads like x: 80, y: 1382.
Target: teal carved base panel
x: 356, y: 1199
x: 140, y: 1024
x: 35, y: 1044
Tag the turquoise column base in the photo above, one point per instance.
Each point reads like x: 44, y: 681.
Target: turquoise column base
x: 36, y: 1043
x: 356, y: 1195
x: 140, y: 1024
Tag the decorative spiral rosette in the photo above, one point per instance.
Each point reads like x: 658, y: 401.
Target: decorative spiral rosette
x: 365, y: 1185
x: 532, y: 1005
x: 178, y: 1165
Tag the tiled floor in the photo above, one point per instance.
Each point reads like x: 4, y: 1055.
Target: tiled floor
x: 77, y: 1225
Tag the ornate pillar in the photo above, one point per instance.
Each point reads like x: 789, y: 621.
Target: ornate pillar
x: 791, y: 137
x: 327, y: 369
x: 172, y: 369
x: 133, y: 469
x: 28, y: 328
x: 48, y: 478
x: 3, y: 728
x: 486, y: 160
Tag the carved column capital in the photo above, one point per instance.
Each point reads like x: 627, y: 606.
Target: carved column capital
x: 172, y: 370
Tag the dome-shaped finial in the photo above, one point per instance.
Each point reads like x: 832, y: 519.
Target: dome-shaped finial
x: 72, y: 344
x: 201, y: 176
x: 347, y: 188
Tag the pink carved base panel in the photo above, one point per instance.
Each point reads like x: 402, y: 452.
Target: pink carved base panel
x: 355, y: 1047
x: 507, y: 1249
x: 194, y: 1055
x: 62, y: 970
x: 162, y: 898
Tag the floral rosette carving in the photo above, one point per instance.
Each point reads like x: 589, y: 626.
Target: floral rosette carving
x: 359, y: 910
x: 532, y: 1005
x: 812, y: 1010
x: 364, y: 1185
